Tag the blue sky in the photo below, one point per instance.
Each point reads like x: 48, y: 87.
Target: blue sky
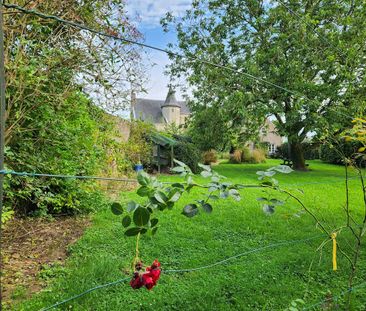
x: 148, y: 14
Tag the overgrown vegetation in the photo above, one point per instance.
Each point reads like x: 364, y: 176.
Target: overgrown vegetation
x: 56, y: 78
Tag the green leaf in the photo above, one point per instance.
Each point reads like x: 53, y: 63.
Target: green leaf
x: 117, y: 208
x: 126, y: 221
x: 190, y: 210
x: 224, y: 194
x: 268, y: 209
x: 188, y: 188
x: 143, y: 178
x: 205, y: 167
x: 133, y: 231
x: 282, y: 169
x: 267, y: 183
x: 207, y: 207
x: 131, y: 206
x: 141, y: 216
x: 214, y: 197
x: 160, y: 197
x: 174, y: 195
x: 154, y: 222
x: 178, y: 169
x: 262, y: 199
x: 178, y: 185
x: 153, y: 232
x: 206, y: 174
x: 143, y: 191
x: 179, y: 163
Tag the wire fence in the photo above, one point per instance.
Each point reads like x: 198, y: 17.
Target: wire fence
x: 217, y: 263
x: 128, y: 180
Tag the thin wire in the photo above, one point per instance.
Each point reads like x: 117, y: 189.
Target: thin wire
x: 354, y: 288
x: 128, y: 180
x: 170, y: 53
x: 245, y: 253
x: 188, y: 270
x: 86, y: 292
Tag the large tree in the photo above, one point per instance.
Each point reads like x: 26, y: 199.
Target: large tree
x: 309, y: 57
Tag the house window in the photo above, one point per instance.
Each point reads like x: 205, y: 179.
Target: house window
x: 272, y: 148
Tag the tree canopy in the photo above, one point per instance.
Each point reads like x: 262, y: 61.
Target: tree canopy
x: 311, y: 52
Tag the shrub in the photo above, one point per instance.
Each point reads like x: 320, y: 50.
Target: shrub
x: 189, y: 154
x: 258, y: 156
x: 209, y: 157
x: 334, y: 153
x: 138, y: 148
x: 311, y: 151
x: 224, y: 155
x: 235, y: 158
x: 246, y: 156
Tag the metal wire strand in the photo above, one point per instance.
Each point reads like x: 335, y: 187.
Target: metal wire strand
x: 224, y: 261
x: 353, y: 289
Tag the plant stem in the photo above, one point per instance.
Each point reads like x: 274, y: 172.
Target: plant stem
x: 136, y: 259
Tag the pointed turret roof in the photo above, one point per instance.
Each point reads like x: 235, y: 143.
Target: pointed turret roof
x: 171, y: 100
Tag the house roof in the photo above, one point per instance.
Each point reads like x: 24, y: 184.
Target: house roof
x: 150, y: 109
x: 171, y: 100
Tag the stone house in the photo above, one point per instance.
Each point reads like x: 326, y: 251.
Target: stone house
x: 268, y: 134
x: 168, y: 111
x: 160, y: 112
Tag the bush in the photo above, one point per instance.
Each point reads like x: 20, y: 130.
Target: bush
x: 189, y: 154
x: 138, y: 148
x: 209, y: 157
x: 235, y: 158
x: 246, y: 156
x: 258, y: 156
x: 311, y: 151
x: 224, y: 155
x: 334, y: 153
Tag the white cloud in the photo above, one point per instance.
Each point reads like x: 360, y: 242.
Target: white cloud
x: 150, y: 12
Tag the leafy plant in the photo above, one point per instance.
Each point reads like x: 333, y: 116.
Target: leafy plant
x: 140, y: 218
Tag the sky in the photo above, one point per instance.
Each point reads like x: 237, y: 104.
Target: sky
x: 148, y: 14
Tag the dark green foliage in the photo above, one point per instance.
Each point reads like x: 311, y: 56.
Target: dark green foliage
x: 72, y: 144
x: 209, y: 129
x: 336, y: 152
x: 311, y: 151
x: 189, y: 154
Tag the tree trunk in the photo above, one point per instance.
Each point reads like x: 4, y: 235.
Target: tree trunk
x: 297, y: 156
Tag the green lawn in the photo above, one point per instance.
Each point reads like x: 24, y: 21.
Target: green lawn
x: 266, y: 280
